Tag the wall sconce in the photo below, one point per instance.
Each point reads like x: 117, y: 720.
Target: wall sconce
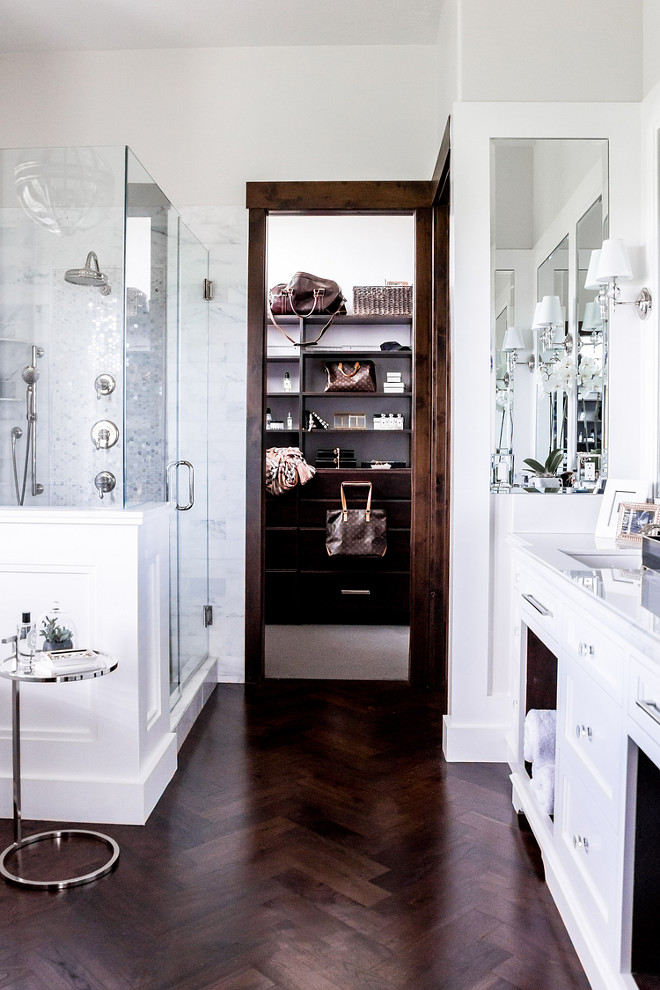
x: 613, y: 264
x: 548, y: 316
x: 514, y: 341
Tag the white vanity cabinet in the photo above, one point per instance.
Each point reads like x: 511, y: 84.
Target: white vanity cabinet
x: 605, y: 659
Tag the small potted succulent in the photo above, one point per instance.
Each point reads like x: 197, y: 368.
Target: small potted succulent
x: 56, y: 635
x: 545, y: 476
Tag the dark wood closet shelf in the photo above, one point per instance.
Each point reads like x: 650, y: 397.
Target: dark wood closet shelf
x: 349, y: 318
x: 350, y: 395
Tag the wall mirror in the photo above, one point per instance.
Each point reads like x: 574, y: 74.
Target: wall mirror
x: 549, y: 212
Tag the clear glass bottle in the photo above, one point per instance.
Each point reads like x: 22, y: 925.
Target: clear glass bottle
x: 286, y: 382
x: 26, y: 642
x: 289, y: 421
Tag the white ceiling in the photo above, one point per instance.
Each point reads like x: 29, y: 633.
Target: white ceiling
x: 111, y: 25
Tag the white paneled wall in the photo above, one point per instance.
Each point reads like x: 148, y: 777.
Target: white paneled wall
x: 98, y: 750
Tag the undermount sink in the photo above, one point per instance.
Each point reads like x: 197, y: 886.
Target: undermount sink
x: 625, y: 559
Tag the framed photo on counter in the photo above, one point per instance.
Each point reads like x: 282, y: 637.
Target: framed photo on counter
x: 633, y: 517
x: 616, y: 492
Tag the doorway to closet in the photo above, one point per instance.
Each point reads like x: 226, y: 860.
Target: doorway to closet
x: 345, y: 402
x: 416, y: 588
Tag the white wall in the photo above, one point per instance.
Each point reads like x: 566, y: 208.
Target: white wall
x: 358, y: 250
x: 651, y: 44
x: 535, y: 50
x: 203, y: 121
x: 448, y: 59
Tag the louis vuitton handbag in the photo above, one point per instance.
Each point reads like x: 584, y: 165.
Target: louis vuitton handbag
x: 356, y: 532
x: 356, y: 377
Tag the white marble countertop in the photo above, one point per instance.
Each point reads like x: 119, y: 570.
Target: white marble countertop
x: 600, y: 570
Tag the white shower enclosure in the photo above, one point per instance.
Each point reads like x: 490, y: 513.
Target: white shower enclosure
x: 118, y: 388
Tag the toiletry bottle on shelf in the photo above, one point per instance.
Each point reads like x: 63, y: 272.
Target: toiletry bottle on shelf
x: 268, y: 418
x: 286, y: 382
x: 289, y: 421
x: 26, y: 642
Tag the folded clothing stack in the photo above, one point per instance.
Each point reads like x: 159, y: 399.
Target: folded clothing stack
x: 539, y: 739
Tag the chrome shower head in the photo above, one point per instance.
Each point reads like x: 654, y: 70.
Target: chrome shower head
x: 30, y: 375
x: 91, y: 274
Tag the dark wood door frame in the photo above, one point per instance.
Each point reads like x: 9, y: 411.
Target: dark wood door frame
x: 429, y: 535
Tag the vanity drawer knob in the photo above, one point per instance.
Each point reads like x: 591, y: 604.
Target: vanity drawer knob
x: 586, y: 650
x: 583, y: 731
x: 581, y: 842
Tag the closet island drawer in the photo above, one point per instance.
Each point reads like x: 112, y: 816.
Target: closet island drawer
x: 591, y: 729
x: 598, y: 652
x: 313, y: 555
x: 355, y: 597
x: 326, y: 483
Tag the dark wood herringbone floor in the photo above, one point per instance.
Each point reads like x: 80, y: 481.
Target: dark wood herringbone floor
x: 313, y: 839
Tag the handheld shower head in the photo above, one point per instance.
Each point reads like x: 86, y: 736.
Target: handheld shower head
x: 30, y: 375
x: 90, y: 274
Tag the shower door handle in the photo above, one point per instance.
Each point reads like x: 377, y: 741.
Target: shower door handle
x: 173, y: 466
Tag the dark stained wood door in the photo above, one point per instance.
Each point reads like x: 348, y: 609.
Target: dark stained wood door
x: 428, y: 574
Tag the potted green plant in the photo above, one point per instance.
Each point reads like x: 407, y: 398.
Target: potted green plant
x: 546, y: 475
x: 56, y: 636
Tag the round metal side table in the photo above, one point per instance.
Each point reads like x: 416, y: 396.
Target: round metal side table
x: 8, y: 670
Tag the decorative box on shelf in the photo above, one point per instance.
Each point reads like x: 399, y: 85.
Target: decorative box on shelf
x: 383, y: 300
x: 349, y: 421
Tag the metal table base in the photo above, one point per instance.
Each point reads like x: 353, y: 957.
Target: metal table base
x: 58, y: 835
x: 55, y: 835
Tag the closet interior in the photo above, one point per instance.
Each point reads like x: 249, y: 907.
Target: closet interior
x: 340, y: 616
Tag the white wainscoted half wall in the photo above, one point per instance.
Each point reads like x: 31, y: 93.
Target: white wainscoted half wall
x: 99, y: 750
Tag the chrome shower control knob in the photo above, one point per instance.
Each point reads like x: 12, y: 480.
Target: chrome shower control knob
x: 104, y: 434
x: 104, y: 385
x: 104, y: 481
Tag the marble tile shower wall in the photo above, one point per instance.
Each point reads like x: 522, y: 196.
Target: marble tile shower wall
x: 86, y: 339
x: 24, y: 307
x: 223, y: 230
x: 146, y: 454
x: 81, y: 332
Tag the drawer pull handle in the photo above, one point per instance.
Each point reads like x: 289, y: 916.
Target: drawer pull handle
x: 583, y: 731
x: 537, y: 605
x: 586, y: 650
x: 651, y: 709
x: 581, y: 842
x: 355, y: 591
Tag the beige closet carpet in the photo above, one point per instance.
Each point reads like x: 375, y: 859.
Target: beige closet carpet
x: 356, y: 653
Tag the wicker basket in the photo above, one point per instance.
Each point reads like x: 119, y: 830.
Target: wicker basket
x: 382, y: 300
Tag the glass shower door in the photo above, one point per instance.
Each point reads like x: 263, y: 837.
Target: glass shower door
x: 188, y: 471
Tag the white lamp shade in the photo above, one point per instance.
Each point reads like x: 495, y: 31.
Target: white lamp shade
x: 548, y: 313
x: 613, y: 261
x: 592, y: 318
x: 590, y: 281
x: 514, y: 340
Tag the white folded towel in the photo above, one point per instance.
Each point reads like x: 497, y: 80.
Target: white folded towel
x: 539, y: 735
x: 543, y: 786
